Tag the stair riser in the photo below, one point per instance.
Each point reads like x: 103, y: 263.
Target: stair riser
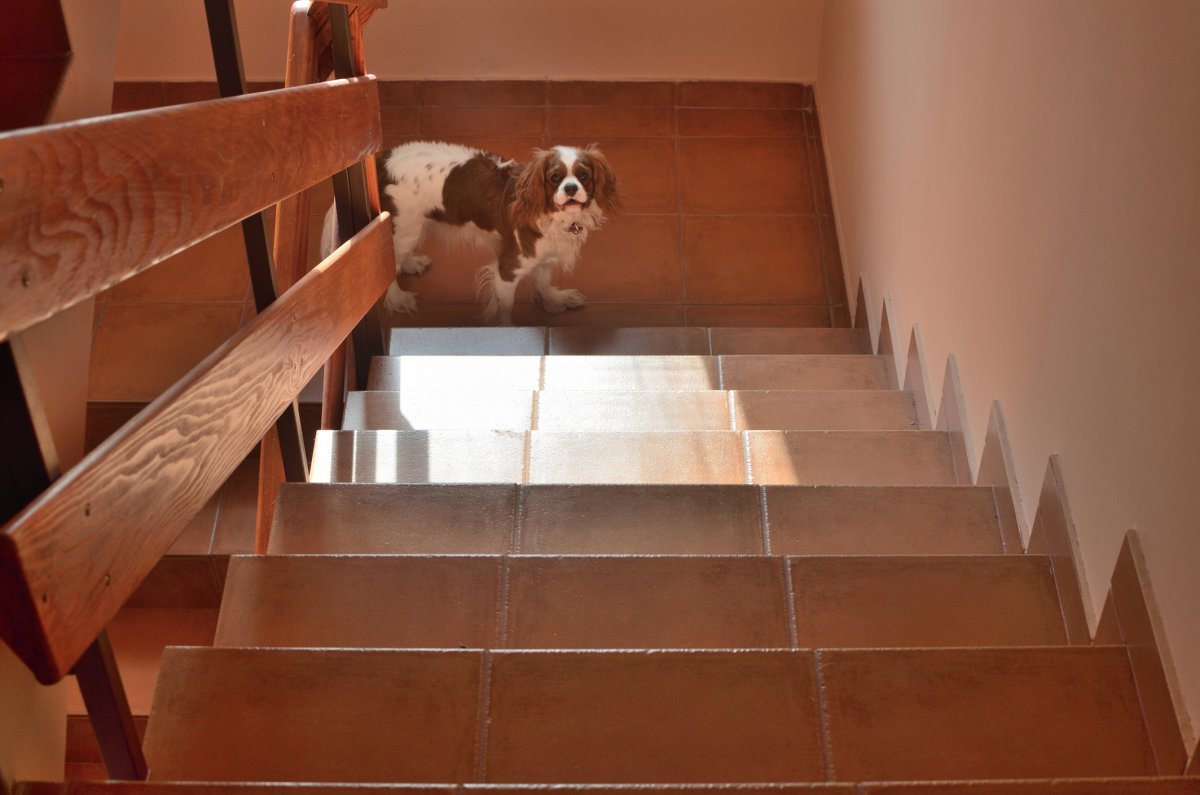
x: 918, y: 458
x: 673, y: 520
x: 639, y: 602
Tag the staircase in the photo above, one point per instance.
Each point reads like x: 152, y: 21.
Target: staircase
x: 644, y: 556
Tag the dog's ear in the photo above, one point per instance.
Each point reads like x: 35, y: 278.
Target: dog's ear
x: 529, y: 198
x: 605, y: 180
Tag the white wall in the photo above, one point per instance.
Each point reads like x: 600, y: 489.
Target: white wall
x: 1022, y: 177
x: 773, y: 40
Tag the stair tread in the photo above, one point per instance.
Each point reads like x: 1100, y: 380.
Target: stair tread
x: 706, y: 457
x: 798, y: 371
x: 590, y: 410
x: 639, y: 602
x: 671, y: 519
x: 630, y: 716
x: 660, y: 340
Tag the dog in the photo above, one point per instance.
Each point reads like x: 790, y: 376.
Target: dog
x: 533, y: 218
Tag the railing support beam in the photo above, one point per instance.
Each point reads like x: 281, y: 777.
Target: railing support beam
x: 108, y: 709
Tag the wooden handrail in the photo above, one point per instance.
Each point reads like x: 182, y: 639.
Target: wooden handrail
x: 85, y: 205
x: 71, y: 559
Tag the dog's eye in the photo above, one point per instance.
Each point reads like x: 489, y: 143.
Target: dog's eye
x: 584, y: 176
x: 555, y: 179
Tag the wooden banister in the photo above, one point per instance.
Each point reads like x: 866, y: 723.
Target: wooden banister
x: 85, y: 205
x: 71, y: 559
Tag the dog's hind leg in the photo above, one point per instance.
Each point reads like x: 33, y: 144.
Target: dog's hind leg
x: 555, y: 300
x: 499, y: 292
x: 407, y: 232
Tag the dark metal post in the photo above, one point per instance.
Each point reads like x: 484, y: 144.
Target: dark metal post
x: 227, y: 57
x: 104, y: 695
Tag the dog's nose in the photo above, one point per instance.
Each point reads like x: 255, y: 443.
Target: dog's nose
x: 570, y: 188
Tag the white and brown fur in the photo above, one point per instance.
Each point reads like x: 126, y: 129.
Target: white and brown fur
x: 533, y: 217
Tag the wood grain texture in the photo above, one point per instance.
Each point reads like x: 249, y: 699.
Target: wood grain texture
x: 72, y: 558
x: 88, y: 204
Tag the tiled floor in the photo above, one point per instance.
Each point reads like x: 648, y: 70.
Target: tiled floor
x: 725, y: 222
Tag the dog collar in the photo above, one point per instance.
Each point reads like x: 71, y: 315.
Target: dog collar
x: 575, y: 228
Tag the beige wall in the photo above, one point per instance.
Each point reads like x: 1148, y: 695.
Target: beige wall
x: 772, y: 40
x: 1022, y: 178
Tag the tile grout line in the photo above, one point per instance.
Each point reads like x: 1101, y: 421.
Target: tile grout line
x: 764, y: 520
x: 996, y: 512
x: 518, y: 521
x: 793, y: 631
x: 483, y: 717
x: 749, y: 469
x: 826, y: 751
x: 503, y: 597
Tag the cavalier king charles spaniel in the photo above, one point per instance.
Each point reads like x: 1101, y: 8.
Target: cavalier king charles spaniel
x: 532, y: 217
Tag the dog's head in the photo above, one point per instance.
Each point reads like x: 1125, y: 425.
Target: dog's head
x: 564, y: 179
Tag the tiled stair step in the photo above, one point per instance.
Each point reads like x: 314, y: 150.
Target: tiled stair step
x: 312, y: 518
x: 226, y: 714
x: 661, y: 341
x: 639, y: 602
x: 626, y: 373
x: 891, y: 458
x: 1157, y: 785
x: 564, y: 410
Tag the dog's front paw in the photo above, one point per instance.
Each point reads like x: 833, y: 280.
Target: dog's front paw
x: 400, y: 301
x: 560, y: 300
x: 415, y: 264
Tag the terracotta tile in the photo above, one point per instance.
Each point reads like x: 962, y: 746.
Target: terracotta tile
x: 436, y: 520
x: 568, y: 410
x: 603, y: 315
x: 361, y: 602
x: 439, y: 314
x: 682, y: 520
x: 455, y: 372
x: 741, y: 95
x: 418, y: 457
x: 848, y: 520
x: 645, y: 169
x: 757, y: 315
x: 677, y: 341
x: 141, y: 349
x: 131, y: 95
x: 789, y: 341
x: 912, y: 601
x: 660, y: 717
x: 724, y: 123
x: 634, y: 258
x: 596, y: 123
x: 238, y: 512
x: 138, y: 637
x: 1133, y: 609
x: 630, y: 373
x: 453, y: 122
x: 840, y: 315
x: 832, y: 259
x: 482, y: 92
x: 397, y: 92
x: 182, y: 582
x: 212, y: 270
x: 1092, y: 786
x: 803, y: 372
x: 189, y: 91
x: 213, y: 707
x: 451, y: 277
x: 904, y: 715
x: 646, y: 603
x: 752, y: 260
x: 588, y: 92
x: 758, y: 175
x: 853, y: 458
x: 467, y: 342
x: 813, y: 410
x: 197, y: 537
x: 519, y: 149
x: 426, y: 410
x: 634, y: 458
